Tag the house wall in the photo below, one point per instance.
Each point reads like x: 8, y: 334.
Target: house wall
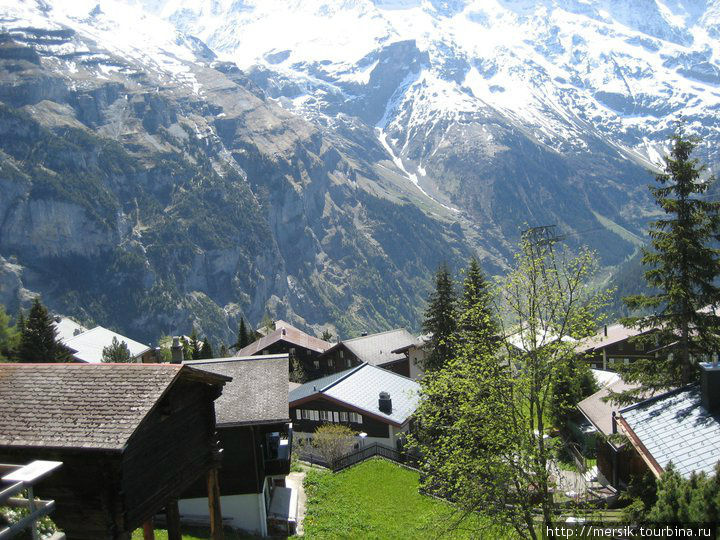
x: 373, y: 427
x: 416, y: 359
x: 246, y: 512
x: 307, y: 358
x: 171, y: 449
x: 342, y: 358
x: 401, y: 367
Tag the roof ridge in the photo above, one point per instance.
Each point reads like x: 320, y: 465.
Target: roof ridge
x: 659, y: 396
x: 376, y: 334
x: 339, y: 379
x: 393, y: 372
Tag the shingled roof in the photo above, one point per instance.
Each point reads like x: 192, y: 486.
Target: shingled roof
x: 378, y: 349
x: 258, y: 393
x: 82, y: 406
x: 285, y: 332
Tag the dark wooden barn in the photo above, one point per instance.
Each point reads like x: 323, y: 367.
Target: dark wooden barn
x: 256, y: 436
x: 132, y: 438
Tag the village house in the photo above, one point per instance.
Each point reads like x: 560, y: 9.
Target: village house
x: 616, y: 460
x: 614, y: 345
x: 681, y: 426
x: 388, y: 350
x: 299, y: 346
x: 131, y: 438
x: 256, y: 437
x: 370, y: 400
x: 87, y: 345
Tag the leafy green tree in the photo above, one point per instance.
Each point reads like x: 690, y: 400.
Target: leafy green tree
x: 572, y: 383
x: 267, y: 324
x: 297, y: 372
x: 440, y: 320
x: 116, y: 352
x: 9, y: 336
x: 332, y: 441
x: 481, y: 422
x: 206, y: 351
x: 38, y: 340
x: 683, y: 264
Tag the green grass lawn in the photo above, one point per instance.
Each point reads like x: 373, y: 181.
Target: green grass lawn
x: 380, y: 500
x: 190, y: 533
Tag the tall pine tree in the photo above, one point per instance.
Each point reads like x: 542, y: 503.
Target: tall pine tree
x: 477, y: 321
x: 440, y: 321
x: 206, y: 351
x: 38, y: 340
x: 682, y: 266
x: 244, y: 337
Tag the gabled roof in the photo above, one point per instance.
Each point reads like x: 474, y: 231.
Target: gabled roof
x: 615, y: 334
x: 378, y: 349
x: 67, y: 328
x: 258, y: 393
x: 285, y: 332
x: 82, y: 406
x: 420, y: 342
x: 674, y: 427
x: 599, y: 412
x: 359, y: 388
x: 88, y: 346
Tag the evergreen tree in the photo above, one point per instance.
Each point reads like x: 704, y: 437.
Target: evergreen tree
x: 244, y: 337
x: 477, y: 321
x: 224, y: 353
x: 683, y: 267
x: 38, y: 341
x: 297, y: 373
x: 195, y: 345
x: 440, y: 320
x: 9, y: 336
x: 116, y: 352
x: 206, y: 350
x: 326, y: 335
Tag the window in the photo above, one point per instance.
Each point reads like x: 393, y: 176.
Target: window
x: 298, y: 414
x: 335, y: 417
x: 316, y: 415
x: 342, y: 354
x: 627, y: 361
x: 316, y: 363
x: 343, y: 417
x: 325, y: 416
x: 306, y: 414
x: 356, y: 418
x: 331, y: 363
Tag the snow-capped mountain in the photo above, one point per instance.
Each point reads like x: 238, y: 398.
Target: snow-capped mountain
x: 317, y: 160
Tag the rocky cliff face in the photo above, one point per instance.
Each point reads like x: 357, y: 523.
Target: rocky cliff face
x: 153, y: 192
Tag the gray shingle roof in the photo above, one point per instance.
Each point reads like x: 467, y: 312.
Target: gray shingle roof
x: 376, y: 349
x: 88, y: 406
x: 360, y: 388
x: 676, y: 427
x: 258, y: 393
x: 599, y: 412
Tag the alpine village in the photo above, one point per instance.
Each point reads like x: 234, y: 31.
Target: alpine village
x: 385, y: 269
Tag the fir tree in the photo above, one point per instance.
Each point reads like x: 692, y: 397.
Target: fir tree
x: 116, y: 352
x: 326, y: 335
x: 244, y: 337
x: 682, y: 267
x: 38, y: 341
x: 297, y: 373
x: 195, y: 345
x: 477, y: 321
x: 440, y: 320
x: 224, y: 353
x: 206, y: 350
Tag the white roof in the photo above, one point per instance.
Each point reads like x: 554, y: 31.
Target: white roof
x: 88, y: 346
x: 67, y: 328
x: 604, y: 378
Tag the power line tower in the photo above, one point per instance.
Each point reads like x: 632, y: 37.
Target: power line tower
x: 540, y: 237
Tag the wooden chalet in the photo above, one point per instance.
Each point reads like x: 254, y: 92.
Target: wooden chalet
x: 132, y: 438
x: 388, y: 350
x: 286, y: 339
x: 256, y: 436
x: 615, y: 345
x: 366, y: 398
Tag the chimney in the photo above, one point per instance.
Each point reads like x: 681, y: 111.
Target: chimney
x: 283, y: 331
x: 710, y: 386
x: 605, y: 330
x: 385, y: 403
x: 177, y: 351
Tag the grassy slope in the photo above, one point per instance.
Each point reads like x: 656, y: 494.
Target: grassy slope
x: 377, y: 499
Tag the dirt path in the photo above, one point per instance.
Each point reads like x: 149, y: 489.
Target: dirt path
x: 295, y: 481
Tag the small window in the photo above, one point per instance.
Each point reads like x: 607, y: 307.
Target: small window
x: 627, y: 361
x: 306, y: 414
x: 316, y: 363
x: 335, y: 417
x: 348, y: 362
x: 316, y: 416
x: 292, y: 350
x: 343, y: 417
x: 331, y: 363
x: 325, y: 416
x: 298, y: 414
x: 342, y: 354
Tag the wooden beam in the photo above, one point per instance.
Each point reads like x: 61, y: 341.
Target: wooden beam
x: 172, y: 515
x: 148, y: 530
x: 213, y: 486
